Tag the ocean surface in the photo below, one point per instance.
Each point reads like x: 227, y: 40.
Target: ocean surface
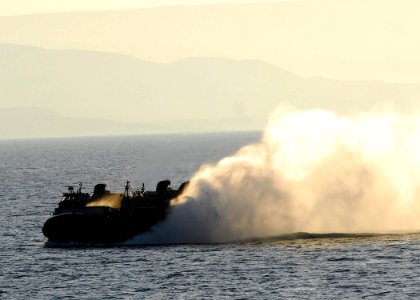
x: 34, y: 173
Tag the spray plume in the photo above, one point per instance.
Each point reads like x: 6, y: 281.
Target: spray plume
x: 314, y: 172
x: 112, y: 200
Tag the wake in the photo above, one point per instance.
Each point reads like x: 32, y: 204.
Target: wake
x: 313, y: 171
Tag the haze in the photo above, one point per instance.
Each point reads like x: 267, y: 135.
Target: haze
x: 201, y: 67
x: 23, y: 7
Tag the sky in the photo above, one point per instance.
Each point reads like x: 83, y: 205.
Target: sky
x: 23, y: 7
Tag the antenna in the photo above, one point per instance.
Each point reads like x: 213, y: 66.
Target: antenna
x: 127, y: 189
x: 80, y: 187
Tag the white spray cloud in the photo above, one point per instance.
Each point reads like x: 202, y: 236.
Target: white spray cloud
x: 313, y: 171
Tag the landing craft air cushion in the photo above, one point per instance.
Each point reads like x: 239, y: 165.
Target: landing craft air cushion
x: 107, y: 218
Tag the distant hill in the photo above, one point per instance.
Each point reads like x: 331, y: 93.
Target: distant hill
x: 196, y: 94
x: 43, y: 123
x: 353, y: 39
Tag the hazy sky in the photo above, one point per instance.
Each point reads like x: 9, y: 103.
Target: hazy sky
x: 22, y: 7
x: 349, y: 39
x: 186, y: 65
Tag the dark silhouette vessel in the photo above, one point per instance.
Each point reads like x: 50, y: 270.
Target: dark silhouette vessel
x: 107, y: 218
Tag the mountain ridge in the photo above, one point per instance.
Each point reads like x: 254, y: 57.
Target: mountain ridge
x: 345, y: 40
x: 125, y: 89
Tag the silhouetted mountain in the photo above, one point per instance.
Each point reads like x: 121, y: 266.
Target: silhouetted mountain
x: 196, y: 94
x: 357, y: 39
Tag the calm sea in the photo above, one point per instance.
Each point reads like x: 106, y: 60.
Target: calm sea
x: 34, y: 173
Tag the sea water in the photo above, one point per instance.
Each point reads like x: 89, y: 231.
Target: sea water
x: 34, y: 173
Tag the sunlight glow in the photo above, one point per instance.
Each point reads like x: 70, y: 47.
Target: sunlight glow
x: 24, y: 7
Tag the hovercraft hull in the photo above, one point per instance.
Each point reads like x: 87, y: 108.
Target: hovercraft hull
x: 82, y: 220
x: 86, y: 228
